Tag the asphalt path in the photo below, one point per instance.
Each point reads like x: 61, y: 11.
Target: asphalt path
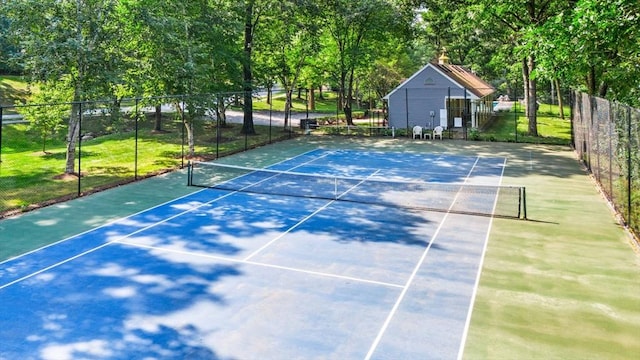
x: 271, y: 118
x: 233, y: 116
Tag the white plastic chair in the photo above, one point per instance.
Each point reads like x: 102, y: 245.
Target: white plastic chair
x: 417, y: 131
x: 437, y: 131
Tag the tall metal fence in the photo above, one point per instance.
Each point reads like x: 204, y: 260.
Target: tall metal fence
x: 606, y: 136
x: 119, y: 142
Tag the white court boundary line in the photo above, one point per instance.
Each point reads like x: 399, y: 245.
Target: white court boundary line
x: 409, y: 281
x: 262, y: 264
x: 89, y: 251
x: 467, y: 324
x: 62, y: 262
x: 115, y: 221
x: 259, y: 250
x: 107, y: 224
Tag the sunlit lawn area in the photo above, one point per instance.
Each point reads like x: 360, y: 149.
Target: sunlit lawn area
x: 551, y: 128
x: 325, y: 103
x: 12, y: 89
x: 29, y: 175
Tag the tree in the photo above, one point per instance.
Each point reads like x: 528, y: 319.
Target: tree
x: 47, y: 119
x: 7, y: 50
x: 519, y: 19
x: 251, y: 19
x: 354, y: 31
x: 184, y: 49
x: 594, y: 46
x: 68, y: 38
x: 286, y: 43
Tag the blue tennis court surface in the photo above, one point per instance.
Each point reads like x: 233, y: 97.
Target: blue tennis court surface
x: 220, y: 274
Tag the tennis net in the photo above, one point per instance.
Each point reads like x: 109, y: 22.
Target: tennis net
x: 486, y: 200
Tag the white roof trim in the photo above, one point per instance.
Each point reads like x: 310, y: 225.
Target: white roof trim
x: 472, y: 95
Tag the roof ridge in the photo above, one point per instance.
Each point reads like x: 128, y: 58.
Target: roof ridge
x: 467, y: 78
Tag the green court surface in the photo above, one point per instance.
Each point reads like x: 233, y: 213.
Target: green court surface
x: 564, y: 284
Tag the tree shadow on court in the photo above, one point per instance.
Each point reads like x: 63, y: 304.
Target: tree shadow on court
x: 350, y: 222
x: 117, y: 304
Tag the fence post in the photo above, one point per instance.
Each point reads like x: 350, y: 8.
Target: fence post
x: 220, y: 99
x: 588, y: 135
x: 182, y: 126
x: 79, y: 148
x: 612, y: 127
x: 572, y: 103
x: 135, y: 161
x: 270, y: 115
x: 1, y: 120
x: 515, y: 110
x: 629, y: 164
x: 291, y: 120
x: 595, y: 132
x: 246, y: 133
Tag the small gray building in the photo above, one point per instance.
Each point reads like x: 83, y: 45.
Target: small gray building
x: 441, y: 94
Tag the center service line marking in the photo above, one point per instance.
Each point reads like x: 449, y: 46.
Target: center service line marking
x: 248, y: 262
x: 407, y: 285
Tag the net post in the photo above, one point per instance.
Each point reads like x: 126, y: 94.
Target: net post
x: 189, y: 174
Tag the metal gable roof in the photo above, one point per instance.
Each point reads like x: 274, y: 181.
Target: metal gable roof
x: 457, y: 74
x: 466, y: 78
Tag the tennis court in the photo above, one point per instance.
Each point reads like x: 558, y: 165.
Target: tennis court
x: 342, y: 254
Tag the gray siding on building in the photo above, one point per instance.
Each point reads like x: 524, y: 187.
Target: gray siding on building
x: 427, y: 90
x: 410, y: 107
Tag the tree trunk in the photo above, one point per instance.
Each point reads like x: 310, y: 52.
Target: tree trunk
x: 532, y: 103
x: 591, y: 80
x: 190, y: 137
x: 221, y: 112
x: 348, y: 109
x: 559, y: 95
x: 602, y: 89
x: 188, y: 126
x: 158, y: 122
x: 525, y: 87
x: 247, y: 125
x: 311, y: 99
x: 72, y: 138
x: 287, y: 107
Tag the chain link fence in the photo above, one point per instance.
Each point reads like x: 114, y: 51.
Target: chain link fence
x: 116, y: 142
x: 606, y: 136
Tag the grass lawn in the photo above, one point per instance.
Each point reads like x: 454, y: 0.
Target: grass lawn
x: 551, y: 128
x: 325, y: 104
x: 12, y: 89
x: 29, y: 175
